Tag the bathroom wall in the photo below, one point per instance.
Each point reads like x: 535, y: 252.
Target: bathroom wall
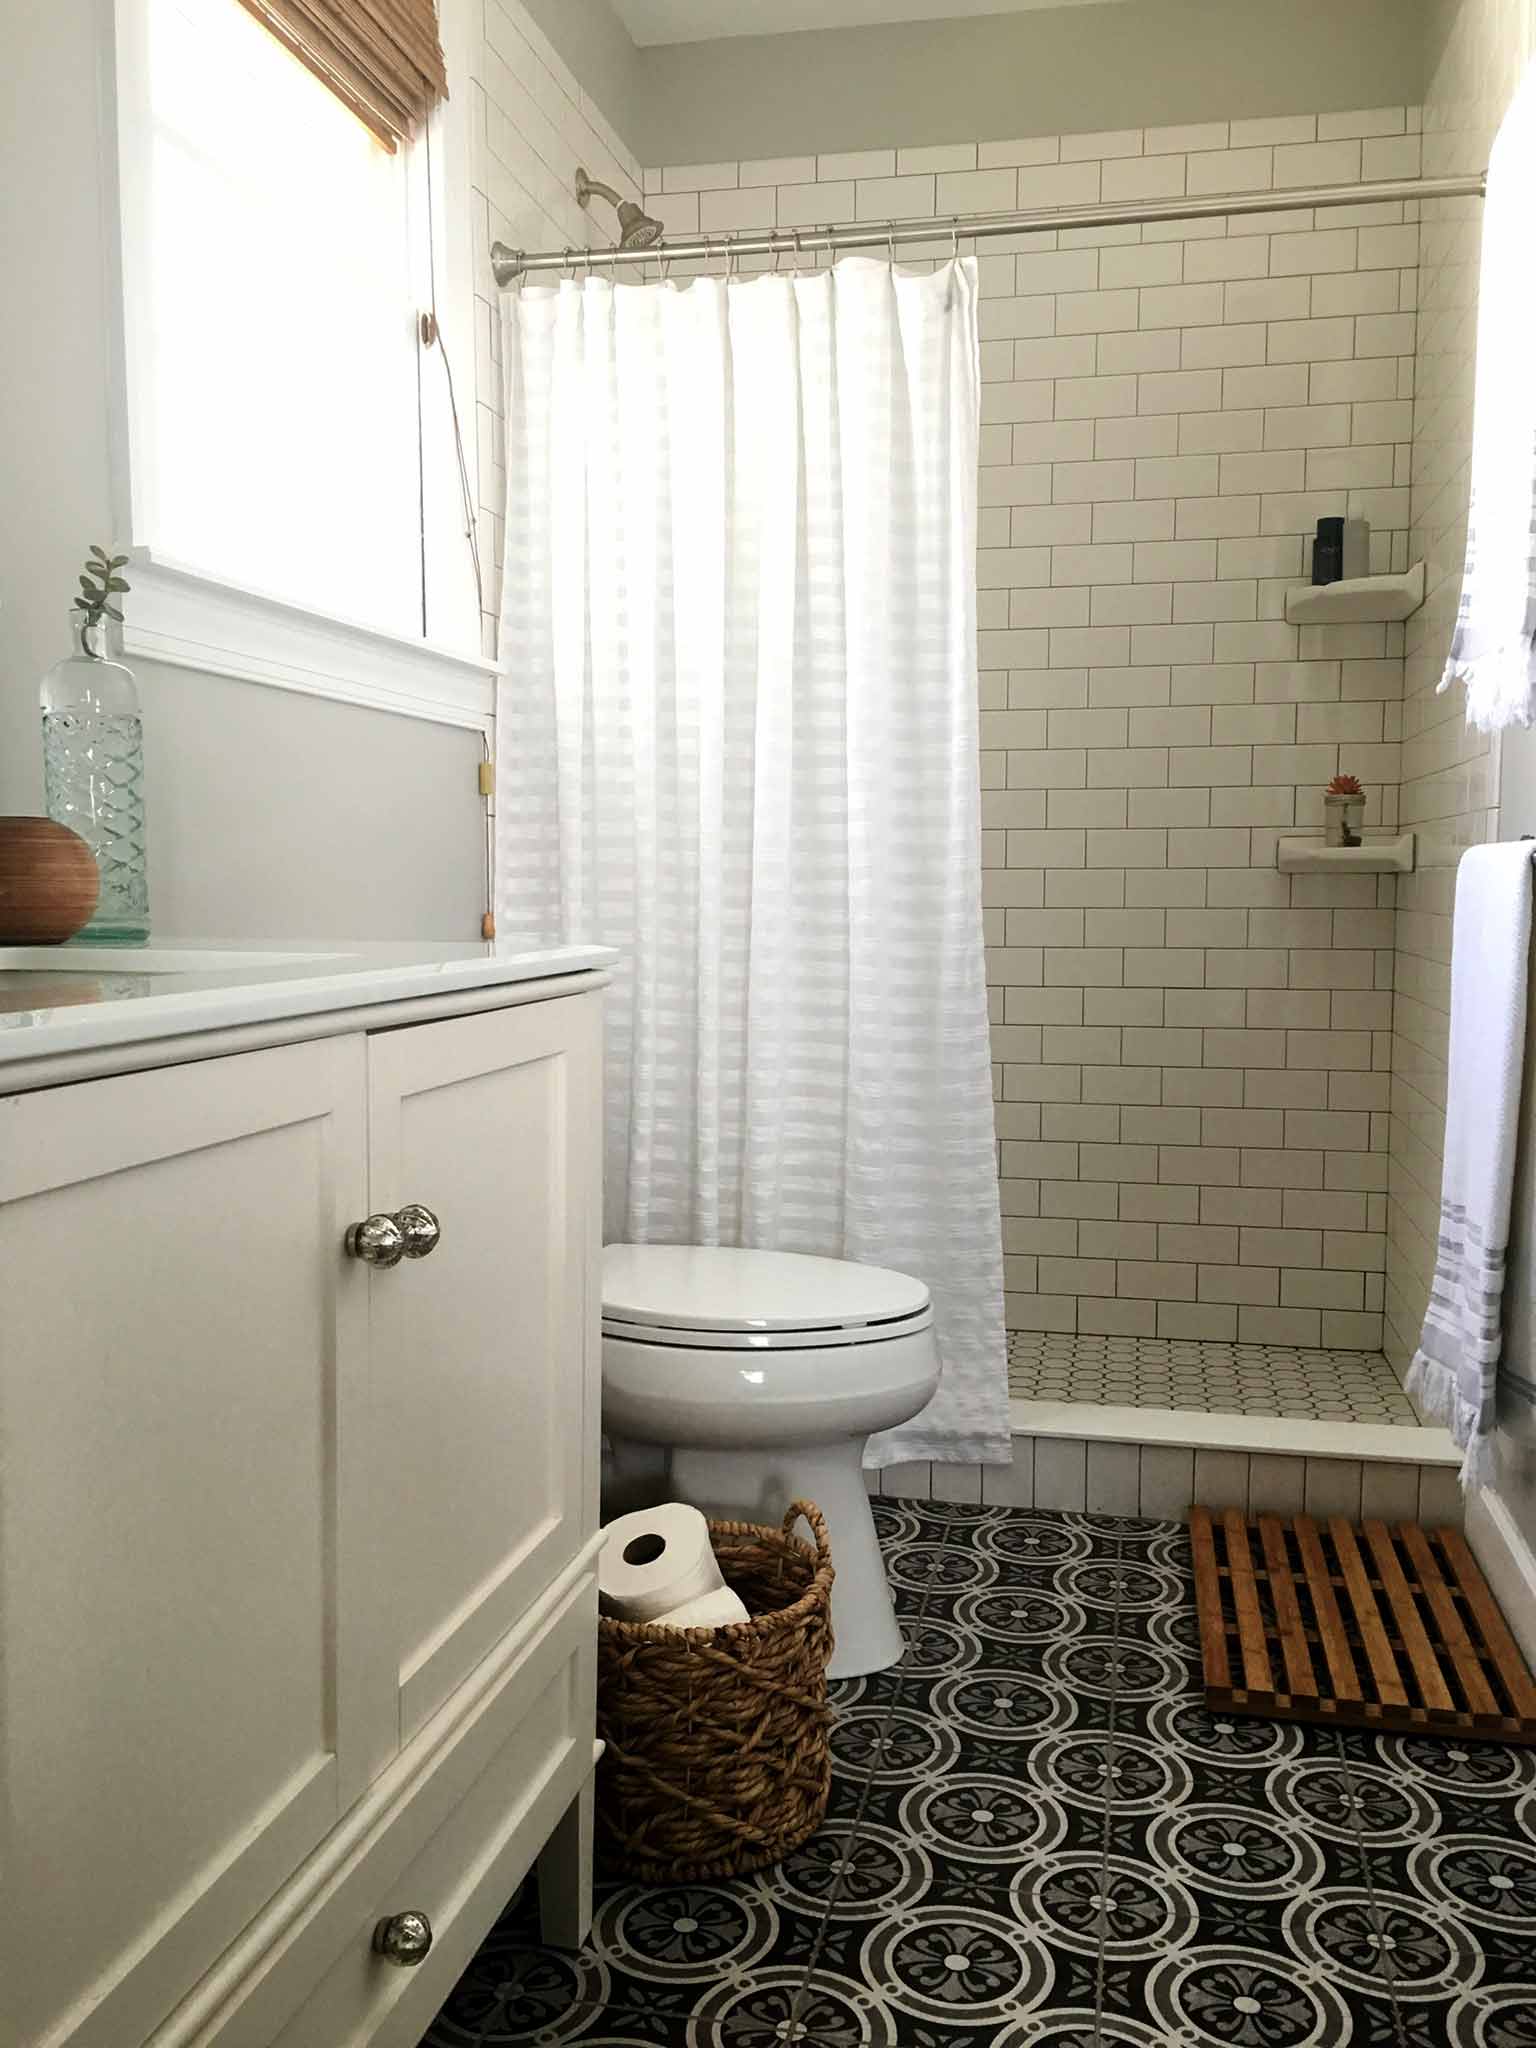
x: 534, y: 125
x: 596, y: 46
x: 271, y: 814
x: 1458, y: 789
x: 1192, y: 1049
x: 1004, y: 74
x: 1450, y: 773
x: 356, y: 823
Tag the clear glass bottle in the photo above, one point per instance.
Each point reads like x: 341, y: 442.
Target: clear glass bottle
x: 93, y: 774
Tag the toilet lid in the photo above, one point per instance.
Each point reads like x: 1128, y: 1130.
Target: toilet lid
x: 709, y: 1287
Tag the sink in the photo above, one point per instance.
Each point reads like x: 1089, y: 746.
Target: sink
x: 41, y: 979
x: 151, y: 960
x: 82, y: 998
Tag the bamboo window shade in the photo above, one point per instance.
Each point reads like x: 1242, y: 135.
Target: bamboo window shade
x: 381, y: 58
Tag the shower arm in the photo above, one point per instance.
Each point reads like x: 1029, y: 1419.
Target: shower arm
x: 509, y: 265
x: 585, y: 187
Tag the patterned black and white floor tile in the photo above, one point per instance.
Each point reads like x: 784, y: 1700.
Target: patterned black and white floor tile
x: 1039, y: 1837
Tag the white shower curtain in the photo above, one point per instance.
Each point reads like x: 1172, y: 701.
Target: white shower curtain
x: 737, y: 740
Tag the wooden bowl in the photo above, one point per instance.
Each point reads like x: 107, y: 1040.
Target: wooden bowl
x: 49, y: 882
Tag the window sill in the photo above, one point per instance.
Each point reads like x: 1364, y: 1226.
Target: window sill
x: 180, y: 616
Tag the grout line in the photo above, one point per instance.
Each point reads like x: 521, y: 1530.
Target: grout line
x: 807, y: 1984
x: 1107, y: 1815
x: 1368, y: 1885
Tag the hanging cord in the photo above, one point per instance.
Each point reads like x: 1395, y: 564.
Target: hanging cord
x: 488, y: 921
x: 471, y: 523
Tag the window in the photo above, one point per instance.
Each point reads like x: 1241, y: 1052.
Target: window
x: 289, y: 434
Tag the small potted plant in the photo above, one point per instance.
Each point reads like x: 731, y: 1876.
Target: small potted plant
x: 1343, y: 811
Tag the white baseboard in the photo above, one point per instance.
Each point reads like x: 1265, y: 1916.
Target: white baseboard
x: 1508, y: 1563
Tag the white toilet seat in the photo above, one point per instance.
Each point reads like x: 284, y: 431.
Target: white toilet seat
x: 724, y: 1298
x: 672, y: 1337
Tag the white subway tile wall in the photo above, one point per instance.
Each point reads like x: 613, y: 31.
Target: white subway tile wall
x: 532, y: 125
x: 1193, y: 1051
x: 1450, y: 788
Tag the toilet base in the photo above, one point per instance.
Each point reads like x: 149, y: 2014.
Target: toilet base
x: 757, y: 1485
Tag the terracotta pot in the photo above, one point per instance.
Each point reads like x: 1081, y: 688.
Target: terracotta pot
x: 49, y: 882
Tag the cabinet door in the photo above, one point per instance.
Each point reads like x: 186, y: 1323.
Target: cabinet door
x: 485, y: 1351
x: 185, y: 1704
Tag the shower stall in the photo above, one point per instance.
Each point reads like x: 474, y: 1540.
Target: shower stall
x: 1195, y: 343
x: 1215, y: 1057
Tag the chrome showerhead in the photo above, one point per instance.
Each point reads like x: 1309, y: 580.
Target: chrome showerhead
x: 637, y: 230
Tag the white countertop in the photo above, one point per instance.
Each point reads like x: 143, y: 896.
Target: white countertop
x: 74, y: 998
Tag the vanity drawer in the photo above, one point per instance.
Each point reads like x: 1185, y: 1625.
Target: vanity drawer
x: 454, y: 1845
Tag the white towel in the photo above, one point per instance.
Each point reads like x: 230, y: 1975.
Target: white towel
x: 1494, y: 648
x: 1455, y: 1368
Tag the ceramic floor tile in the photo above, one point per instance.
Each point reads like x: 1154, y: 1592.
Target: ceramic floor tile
x: 1241, y: 1977
x: 1041, y: 1837
x: 1244, y: 1379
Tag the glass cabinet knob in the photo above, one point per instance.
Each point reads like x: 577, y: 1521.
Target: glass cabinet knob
x: 384, y: 1240
x: 377, y: 1241
x: 403, y: 1939
x: 420, y: 1229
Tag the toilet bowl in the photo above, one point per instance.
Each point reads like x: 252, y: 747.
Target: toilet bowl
x: 758, y: 1377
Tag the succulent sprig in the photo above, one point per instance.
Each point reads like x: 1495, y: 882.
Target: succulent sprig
x: 1345, y: 785
x: 100, y: 585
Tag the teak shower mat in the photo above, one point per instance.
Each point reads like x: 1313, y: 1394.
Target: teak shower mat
x: 1372, y: 1627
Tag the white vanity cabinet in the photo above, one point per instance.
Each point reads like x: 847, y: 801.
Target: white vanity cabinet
x: 296, y: 1543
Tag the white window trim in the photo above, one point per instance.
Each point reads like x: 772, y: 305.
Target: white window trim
x: 184, y: 617
x: 180, y: 614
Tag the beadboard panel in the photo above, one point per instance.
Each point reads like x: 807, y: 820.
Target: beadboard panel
x: 1104, y: 1476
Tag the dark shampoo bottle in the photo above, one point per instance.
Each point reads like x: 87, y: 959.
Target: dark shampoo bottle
x: 1328, y: 551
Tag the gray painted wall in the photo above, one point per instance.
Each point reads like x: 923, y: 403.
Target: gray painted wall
x: 276, y: 815
x: 597, y: 47
x: 1065, y: 70
x: 271, y: 814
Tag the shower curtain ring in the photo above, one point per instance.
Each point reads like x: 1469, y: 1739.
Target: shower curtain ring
x: 890, y: 237
x: 954, y: 238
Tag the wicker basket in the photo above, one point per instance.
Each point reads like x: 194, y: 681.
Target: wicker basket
x: 717, y: 1758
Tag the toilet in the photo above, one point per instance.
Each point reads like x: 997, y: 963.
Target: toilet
x: 751, y: 1378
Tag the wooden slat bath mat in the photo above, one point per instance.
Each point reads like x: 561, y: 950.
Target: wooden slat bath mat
x: 1372, y: 1627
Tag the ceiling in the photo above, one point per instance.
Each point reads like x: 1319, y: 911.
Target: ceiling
x: 695, y: 21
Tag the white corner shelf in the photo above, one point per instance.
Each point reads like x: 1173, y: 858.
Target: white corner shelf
x: 1309, y: 856
x: 1358, y: 600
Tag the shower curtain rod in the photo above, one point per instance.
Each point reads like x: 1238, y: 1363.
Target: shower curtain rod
x: 509, y: 265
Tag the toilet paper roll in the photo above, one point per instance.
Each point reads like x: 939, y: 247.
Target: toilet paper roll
x: 710, y: 1610
x: 655, y: 1560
